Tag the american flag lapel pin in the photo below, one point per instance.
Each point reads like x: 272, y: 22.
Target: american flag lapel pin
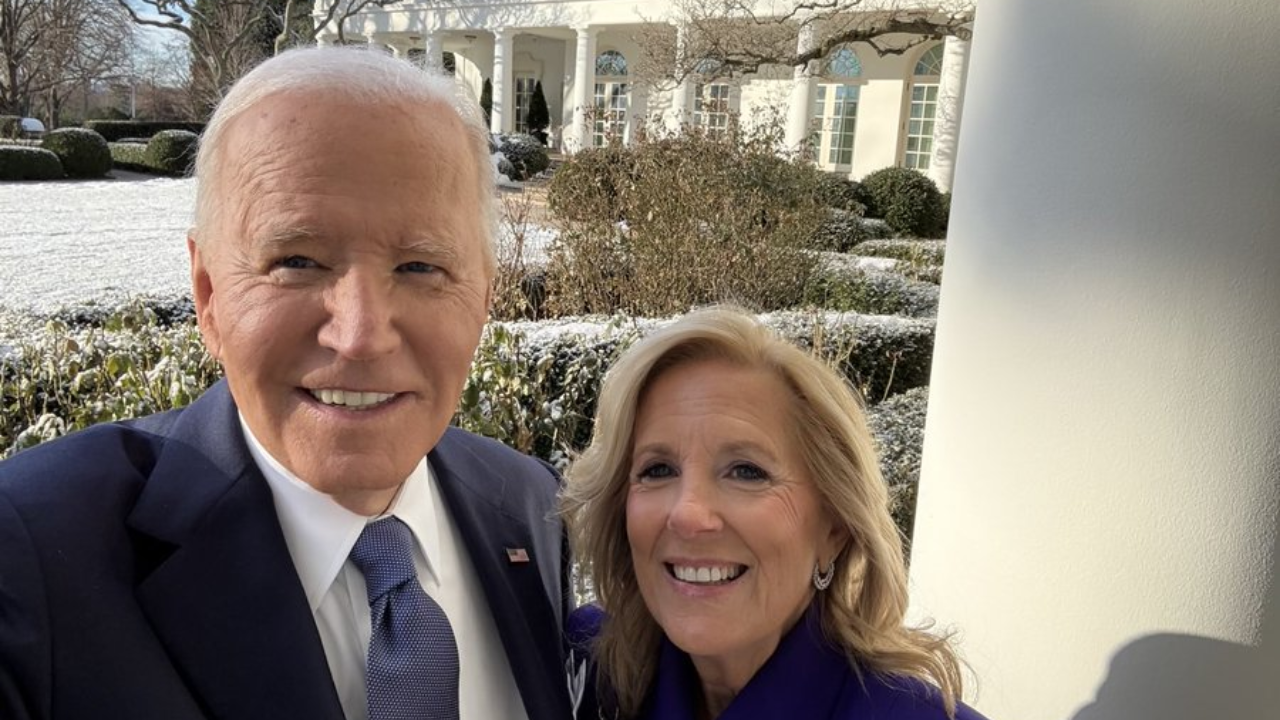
x: 517, y: 555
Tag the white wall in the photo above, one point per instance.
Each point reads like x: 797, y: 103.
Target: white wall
x: 1098, y: 511
x: 880, y: 107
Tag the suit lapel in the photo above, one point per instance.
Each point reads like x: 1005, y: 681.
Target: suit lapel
x: 517, y: 597
x: 223, y: 597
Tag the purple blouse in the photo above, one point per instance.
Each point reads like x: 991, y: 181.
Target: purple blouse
x: 805, y: 678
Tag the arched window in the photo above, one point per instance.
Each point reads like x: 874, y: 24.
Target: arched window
x: 611, y: 63
x: 836, y: 109
x: 843, y: 63
x: 612, y: 98
x: 930, y: 63
x: 923, y: 113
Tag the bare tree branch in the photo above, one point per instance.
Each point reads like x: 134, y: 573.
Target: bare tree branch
x: 742, y: 37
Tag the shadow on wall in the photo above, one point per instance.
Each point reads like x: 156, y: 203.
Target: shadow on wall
x: 1185, y: 677
x: 1189, y: 677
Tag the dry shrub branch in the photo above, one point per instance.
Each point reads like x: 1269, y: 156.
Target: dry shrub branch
x: 678, y: 220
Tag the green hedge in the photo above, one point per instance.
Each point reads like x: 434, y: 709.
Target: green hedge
x: 932, y: 252
x: 173, y: 152
x: 898, y: 427
x: 525, y: 153
x: 130, y: 156
x: 842, y: 285
x: 117, y: 130
x: 907, y: 200
x: 533, y: 384
x: 20, y: 162
x: 170, y: 152
x: 84, y: 153
x: 919, y: 259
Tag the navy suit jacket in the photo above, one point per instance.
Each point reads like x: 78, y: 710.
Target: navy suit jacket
x: 144, y: 574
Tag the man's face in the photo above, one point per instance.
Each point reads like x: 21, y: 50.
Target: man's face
x: 343, y: 286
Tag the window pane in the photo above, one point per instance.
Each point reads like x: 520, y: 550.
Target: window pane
x: 930, y: 62
x: 611, y: 62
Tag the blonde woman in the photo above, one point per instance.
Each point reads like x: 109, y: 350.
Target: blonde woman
x: 736, y: 528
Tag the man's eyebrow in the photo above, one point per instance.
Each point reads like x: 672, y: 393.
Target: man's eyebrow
x: 431, y: 248
x: 277, y: 239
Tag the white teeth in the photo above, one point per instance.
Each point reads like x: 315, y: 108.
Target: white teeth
x: 706, y: 574
x: 353, y: 399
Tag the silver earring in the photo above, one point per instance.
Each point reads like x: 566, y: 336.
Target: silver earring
x: 822, y: 580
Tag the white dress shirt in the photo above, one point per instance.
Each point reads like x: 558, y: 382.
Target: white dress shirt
x: 320, y: 534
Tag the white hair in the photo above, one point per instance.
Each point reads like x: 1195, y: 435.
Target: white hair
x: 361, y: 75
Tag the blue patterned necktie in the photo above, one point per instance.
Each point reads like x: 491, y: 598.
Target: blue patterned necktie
x: 413, y: 658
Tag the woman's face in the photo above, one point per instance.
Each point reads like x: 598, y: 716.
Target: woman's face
x: 724, y: 522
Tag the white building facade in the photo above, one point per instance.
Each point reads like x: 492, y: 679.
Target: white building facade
x: 858, y: 110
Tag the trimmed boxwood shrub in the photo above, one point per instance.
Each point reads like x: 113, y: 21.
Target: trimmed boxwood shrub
x: 872, y: 291
x: 117, y: 130
x: 840, y: 193
x: 933, y: 252
x: 526, y: 153
x: 898, y: 427
x: 84, y: 153
x: 173, y: 151
x: 907, y: 200
x: 533, y: 385
x: 840, y: 232
x: 130, y: 156
x: 19, y: 162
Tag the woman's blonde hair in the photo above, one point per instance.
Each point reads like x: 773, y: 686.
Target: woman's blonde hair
x: 862, y: 611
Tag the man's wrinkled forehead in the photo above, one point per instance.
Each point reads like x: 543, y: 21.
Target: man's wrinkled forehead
x: 298, y: 114
x: 294, y: 133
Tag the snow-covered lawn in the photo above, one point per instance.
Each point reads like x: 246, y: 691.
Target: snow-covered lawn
x: 77, y: 243
x: 74, y: 243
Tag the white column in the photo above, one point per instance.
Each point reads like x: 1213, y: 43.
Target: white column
x: 326, y: 40
x: 1098, y: 511
x: 946, y: 131
x: 584, y: 82
x: 434, y: 55
x: 801, y: 102
x: 503, y: 117
x: 681, y: 109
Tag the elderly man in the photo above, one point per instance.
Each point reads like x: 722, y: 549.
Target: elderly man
x: 308, y: 539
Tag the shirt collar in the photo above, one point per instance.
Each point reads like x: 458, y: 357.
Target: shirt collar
x: 320, y: 533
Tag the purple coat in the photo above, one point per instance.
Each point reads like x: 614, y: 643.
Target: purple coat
x: 805, y: 678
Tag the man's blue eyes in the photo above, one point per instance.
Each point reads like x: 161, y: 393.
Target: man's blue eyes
x: 296, y: 262
x: 299, y: 262
x: 417, y: 267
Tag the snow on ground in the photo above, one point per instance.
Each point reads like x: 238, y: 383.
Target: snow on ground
x: 67, y: 244
x: 76, y: 243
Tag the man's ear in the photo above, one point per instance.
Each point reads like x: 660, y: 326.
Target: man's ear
x: 202, y: 292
